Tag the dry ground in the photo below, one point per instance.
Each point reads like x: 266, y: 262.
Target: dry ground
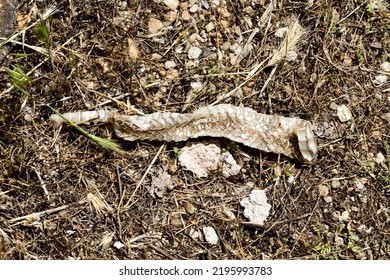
x: 99, y: 51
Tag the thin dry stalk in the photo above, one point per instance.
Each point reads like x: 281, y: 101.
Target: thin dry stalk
x: 127, y: 205
x: 245, y: 50
x: 41, y: 213
x: 43, y: 186
x: 266, y: 16
x: 41, y: 50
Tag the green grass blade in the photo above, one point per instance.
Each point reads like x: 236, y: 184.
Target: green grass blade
x: 104, y: 143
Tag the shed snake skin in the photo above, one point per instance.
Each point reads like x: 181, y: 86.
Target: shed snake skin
x: 292, y: 137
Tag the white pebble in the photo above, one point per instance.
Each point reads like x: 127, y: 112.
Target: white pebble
x: 345, y: 216
x: 196, y: 86
x: 385, y: 66
x: 281, y: 32
x: 225, y: 46
x: 210, y: 235
x: 380, y: 79
x: 333, y: 106
x: 194, y: 8
x: 387, y: 117
x: 194, y: 234
x: 170, y: 64
x: 359, y: 184
x: 344, y: 113
x: 194, y: 52
x: 379, y: 158
x: 179, y: 49
x: 256, y: 207
x: 185, y: 15
x: 328, y: 199
x: 339, y: 240
x: 118, y: 245
x: 123, y: 5
x: 291, y: 56
x: 210, y: 26
x: 172, y: 4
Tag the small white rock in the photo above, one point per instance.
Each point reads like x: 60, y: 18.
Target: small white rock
x: 193, y: 38
x: 339, y: 240
x: 133, y: 50
x: 172, y: 4
x: 123, y: 5
x: 291, y: 56
x: 28, y: 114
x: 200, y: 159
x: 215, y: 3
x: 210, y: 26
x: 229, y: 165
x: 196, y: 86
x: 205, y: 4
x: 194, y: 234
x: 333, y: 106
x: 328, y: 199
x: 256, y: 207
x: 385, y: 66
x: 210, y: 235
x: 194, y: 8
x: 379, y: 158
x: 335, y: 184
x: 344, y: 113
x: 156, y: 56
x: 170, y: 64
x: 380, y: 79
x: 154, y: 25
x: 387, y: 117
x: 194, y: 53
x: 281, y: 32
x: 345, y: 216
x: 179, y: 49
x: 355, y: 209
x: 360, y: 183
x: 118, y: 245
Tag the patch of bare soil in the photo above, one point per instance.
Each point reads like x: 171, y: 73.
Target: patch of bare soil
x: 64, y: 197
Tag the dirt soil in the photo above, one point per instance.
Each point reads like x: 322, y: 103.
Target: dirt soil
x: 64, y: 197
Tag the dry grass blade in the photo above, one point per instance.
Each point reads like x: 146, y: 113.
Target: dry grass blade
x: 41, y: 50
x: 4, y: 238
x: 106, y: 241
x: 97, y: 204
x: 264, y: 19
x: 128, y: 204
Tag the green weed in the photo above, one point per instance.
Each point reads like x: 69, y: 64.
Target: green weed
x: 18, y: 77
